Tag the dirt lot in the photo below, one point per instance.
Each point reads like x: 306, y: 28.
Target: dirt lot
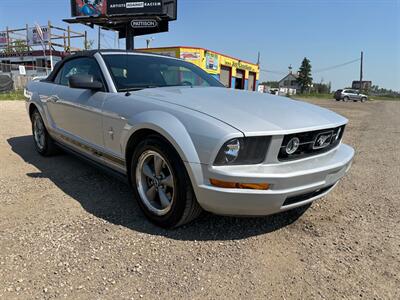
x: 67, y: 230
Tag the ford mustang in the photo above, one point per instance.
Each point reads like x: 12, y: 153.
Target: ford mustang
x: 184, y: 141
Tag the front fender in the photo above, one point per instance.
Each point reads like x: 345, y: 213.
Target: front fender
x: 169, y: 127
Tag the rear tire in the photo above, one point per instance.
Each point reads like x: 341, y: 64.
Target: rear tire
x: 44, y: 144
x: 161, y: 184
x: 345, y: 99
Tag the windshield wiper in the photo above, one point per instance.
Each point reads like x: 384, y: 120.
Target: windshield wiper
x: 138, y: 88
x: 188, y: 84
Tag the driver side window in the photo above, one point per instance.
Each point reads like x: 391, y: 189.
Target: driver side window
x: 78, y: 66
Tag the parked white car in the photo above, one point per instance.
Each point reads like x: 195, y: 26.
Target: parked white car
x: 184, y: 141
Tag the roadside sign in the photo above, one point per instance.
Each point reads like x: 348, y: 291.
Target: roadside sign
x: 145, y: 23
x: 22, y: 70
x: 39, y: 32
x: 38, y: 35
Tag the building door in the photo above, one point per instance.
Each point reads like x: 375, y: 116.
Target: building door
x: 226, y: 76
x: 239, y: 84
x: 252, y: 81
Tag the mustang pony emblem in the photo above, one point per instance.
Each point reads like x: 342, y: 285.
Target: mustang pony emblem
x: 323, y: 140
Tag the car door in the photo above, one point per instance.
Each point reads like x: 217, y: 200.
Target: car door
x: 353, y: 95
x: 357, y: 95
x: 76, y: 113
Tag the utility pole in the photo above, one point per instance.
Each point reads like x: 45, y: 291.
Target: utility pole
x: 361, y: 71
x: 258, y: 58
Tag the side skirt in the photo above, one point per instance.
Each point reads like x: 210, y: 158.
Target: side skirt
x: 118, y: 175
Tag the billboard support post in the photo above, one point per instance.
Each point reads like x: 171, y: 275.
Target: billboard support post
x: 130, y: 38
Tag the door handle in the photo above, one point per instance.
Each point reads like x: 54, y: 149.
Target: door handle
x: 54, y: 98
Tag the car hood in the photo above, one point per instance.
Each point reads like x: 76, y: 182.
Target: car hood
x: 250, y: 112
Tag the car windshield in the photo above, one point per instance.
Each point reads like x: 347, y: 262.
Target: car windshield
x: 136, y: 72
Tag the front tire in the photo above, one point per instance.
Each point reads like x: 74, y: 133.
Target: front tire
x: 161, y: 184
x: 44, y: 144
x: 345, y: 99
x: 363, y: 99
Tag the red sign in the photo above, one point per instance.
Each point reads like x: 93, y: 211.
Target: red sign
x: 3, y: 39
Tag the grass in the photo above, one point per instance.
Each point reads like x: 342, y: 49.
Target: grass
x: 13, y: 95
x: 386, y: 98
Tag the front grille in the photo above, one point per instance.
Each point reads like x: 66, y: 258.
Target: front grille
x: 308, y: 143
x: 304, y: 197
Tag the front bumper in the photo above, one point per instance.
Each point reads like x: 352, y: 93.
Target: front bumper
x: 296, y: 182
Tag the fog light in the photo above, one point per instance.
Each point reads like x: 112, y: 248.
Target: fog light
x: 292, y: 145
x: 238, y: 185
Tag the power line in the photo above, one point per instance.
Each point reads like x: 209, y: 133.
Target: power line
x: 273, y: 72
x: 317, y: 70
x: 336, y: 66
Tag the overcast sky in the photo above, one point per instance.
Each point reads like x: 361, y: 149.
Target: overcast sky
x: 329, y: 33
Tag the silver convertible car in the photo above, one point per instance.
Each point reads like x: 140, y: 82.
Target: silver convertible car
x: 184, y: 141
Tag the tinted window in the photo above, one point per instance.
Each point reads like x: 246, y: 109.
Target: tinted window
x: 132, y: 72
x: 78, y: 66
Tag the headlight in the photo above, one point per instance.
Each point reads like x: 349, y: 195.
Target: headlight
x: 292, y: 145
x: 243, y: 151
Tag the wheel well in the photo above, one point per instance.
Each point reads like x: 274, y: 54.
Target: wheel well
x: 32, y: 108
x: 135, y: 139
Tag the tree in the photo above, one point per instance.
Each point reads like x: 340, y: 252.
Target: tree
x: 304, y: 78
x: 17, y: 46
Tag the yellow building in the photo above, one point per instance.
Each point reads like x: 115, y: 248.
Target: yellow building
x: 232, y: 72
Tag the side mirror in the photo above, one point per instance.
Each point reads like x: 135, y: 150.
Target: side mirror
x: 86, y: 82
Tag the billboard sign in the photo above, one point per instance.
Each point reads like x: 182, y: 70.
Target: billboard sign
x: 38, y: 35
x: 95, y: 8
x: 129, y: 7
x: 3, y: 39
x: 88, y: 8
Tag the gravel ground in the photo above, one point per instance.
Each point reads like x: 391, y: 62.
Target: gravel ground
x: 70, y: 231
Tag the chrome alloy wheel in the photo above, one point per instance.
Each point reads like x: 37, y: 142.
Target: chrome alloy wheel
x: 39, y: 132
x: 155, y: 182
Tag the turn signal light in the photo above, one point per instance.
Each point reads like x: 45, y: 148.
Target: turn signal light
x: 237, y: 185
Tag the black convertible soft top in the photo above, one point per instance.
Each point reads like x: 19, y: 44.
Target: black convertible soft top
x: 87, y: 53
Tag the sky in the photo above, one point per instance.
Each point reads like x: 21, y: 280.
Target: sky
x: 329, y: 33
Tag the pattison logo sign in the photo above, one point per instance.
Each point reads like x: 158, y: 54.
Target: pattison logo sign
x: 144, y: 23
